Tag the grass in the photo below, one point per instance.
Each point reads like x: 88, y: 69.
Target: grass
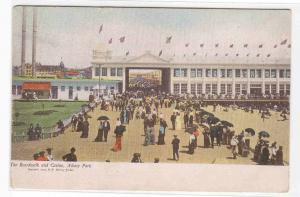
x: 46, y: 113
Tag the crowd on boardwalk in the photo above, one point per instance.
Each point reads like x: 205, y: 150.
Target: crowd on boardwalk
x: 196, y: 122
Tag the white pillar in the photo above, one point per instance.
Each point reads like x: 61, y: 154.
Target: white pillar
x: 124, y: 79
x: 277, y: 81
x: 172, y: 82
x: 263, y: 82
x: 189, y: 80
x: 233, y: 83
x: 248, y: 81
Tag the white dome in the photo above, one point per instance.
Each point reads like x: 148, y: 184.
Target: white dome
x: 101, y: 47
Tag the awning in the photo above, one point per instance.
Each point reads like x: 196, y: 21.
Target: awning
x: 36, y: 86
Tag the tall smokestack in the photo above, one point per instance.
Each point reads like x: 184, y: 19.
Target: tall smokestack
x: 34, y: 23
x: 23, y: 52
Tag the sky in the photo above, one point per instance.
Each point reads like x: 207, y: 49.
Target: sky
x: 71, y: 33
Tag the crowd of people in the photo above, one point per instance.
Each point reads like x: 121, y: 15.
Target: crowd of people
x: 190, y: 111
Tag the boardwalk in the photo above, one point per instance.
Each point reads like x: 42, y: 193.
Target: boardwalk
x: 133, y: 139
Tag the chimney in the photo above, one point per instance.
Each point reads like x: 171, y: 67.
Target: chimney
x: 34, y: 23
x: 23, y: 48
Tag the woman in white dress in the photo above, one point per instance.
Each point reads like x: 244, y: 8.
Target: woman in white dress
x: 178, y: 121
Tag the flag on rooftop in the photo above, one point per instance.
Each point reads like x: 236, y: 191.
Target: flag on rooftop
x: 275, y: 46
x: 127, y: 53
x: 258, y: 55
x: 110, y: 41
x: 194, y: 53
x: 269, y: 55
x: 289, y: 46
x: 231, y: 46
x: 245, y: 45
x: 260, y: 46
x: 160, y: 53
x: 122, y: 39
x: 226, y: 54
x: 284, y: 42
x: 101, y: 28
x: 187, y: 44
x: 201, y: 45
x: 168, y: 39
x: 217, y: 45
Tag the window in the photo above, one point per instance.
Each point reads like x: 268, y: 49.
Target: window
x: 199, y: 72
x: 287, y: 89
x: 281, y: 89
x: 63, y: 88
x: 207, y: 88
x: 273, y: 88
x: 267, y: 73
x: 288, y: 73
x: 258, y: 73
x: 176, y: 72
x: 208, y: 73
x: 229, y: 88
x: 104, y: 71
x: 119, y: 72
x: 86, y: 88
x: 14, y: 90
x: 199, y: 88
x: 183, y: 88
x: 252, y: 73
x: 223, y: 88
x: 193, y: 89
x: 78, y: 88
x: 245, y: 73
x: 267, y: 88
x: 176, y: 88
x: 237, y: 73
x: 97, y: 71
x: 273, y: 73
x: 214, y: 73
x: 91, y: 88
x: 281, y: 73
x: 214, y: 89
x: 223, y: 73
x: 193, y: 73
x: 113, y: 72
x: 237, y: 88
x: 229, y: 73
x: 184, y: 72
x: 244, y: 89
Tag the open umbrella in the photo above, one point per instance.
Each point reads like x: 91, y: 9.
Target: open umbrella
x: 205, y: 125
x: 103, y: 118
x: 264, y: 134
x: 250, y: 131
x: 214, y: 120
x: 226, y: 123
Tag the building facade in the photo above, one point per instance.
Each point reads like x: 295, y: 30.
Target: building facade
x: 199, y: 77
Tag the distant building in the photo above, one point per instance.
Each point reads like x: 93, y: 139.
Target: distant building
x: 198, y: 76
x: 45, y: 71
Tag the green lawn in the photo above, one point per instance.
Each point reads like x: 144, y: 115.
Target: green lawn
x: 30, y: 112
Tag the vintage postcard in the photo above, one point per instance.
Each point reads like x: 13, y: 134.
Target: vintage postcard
x: 115, y: 98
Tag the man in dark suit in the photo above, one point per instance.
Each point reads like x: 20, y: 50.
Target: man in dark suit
x: 106, y: 128
x: 173, y: 120
x: 70, y: 156
x: 175, y: 144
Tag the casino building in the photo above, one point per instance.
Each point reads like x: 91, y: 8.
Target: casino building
x: 194, y: 75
